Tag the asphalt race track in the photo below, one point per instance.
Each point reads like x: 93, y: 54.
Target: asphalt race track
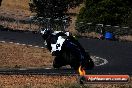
x: 27, y: 38
x: 118, y: 54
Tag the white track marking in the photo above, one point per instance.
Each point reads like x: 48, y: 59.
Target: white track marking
x: 36, y: 46
x: 17, y: 43
x: 33, y: 68
x: 30, y: 45
x: 23, y: 44
x: 42, y: 47
x: 11, y: 42
x: 23, y: 69
x: 48, y: 68
x: 2, y: 41
x: 96, y: 59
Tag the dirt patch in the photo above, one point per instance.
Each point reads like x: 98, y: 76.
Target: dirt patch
x: 22, y: 4
x: 42, y: 81
x: 34, y: 81
x: 12, y: 55
x: 15, y: 8
x: 126, y: 38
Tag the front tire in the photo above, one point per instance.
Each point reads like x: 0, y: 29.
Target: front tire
x: 56, y: 62
x: 75, y: 66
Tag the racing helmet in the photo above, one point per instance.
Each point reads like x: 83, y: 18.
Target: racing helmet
x: 45, y: 33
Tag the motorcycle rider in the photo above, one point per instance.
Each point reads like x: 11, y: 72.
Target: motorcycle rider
x: 66, y: 49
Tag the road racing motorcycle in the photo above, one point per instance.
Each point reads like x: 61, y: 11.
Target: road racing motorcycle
x: 66, y: 49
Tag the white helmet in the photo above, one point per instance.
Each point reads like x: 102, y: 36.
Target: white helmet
x: 45, y: 33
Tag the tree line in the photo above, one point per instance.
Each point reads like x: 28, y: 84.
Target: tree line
x: 52, y: 8
x: 107, y: 12
x: 112, y: 12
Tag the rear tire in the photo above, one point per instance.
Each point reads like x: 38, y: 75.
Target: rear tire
x: 75, y: 66
x: 90, y: 63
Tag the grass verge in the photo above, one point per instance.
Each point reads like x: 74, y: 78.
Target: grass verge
x: 12, y: 55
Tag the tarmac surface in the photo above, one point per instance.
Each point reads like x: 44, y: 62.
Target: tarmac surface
x: 117, y: 54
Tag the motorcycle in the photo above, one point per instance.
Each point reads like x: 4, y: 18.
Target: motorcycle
x: 67, y: 50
